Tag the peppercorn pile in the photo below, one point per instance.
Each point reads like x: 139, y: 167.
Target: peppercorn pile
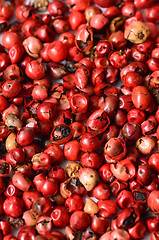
x: 79, y: 154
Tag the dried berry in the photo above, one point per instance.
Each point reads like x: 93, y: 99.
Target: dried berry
x: 136, y: 32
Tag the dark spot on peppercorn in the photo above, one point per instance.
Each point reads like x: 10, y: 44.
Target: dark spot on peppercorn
x: 141, y: 171
x: 38, y: 206
x: 9, y: 85
x: 67, y: 120
x: 16, y: 222
x: 140, y: 71
x: 141, y: 35
x: 54, y: 168
x: 4, y: 168
x: 120, y: 53
x: 78, y: 236
x: 70, y: 66
x: 101, y: 118
x: 82, y: 45
x: 44, y: 222
x: 61, y: 132
x: 129, y: 221
x: 86, y: 72
x: 77, y: 182
x: 69, y: 6
x: 13, y: 24
x: 3, y: 26
x: 140, y: 140
x: 2, y: 148
x: 73, y: 185
x: 139, y: 196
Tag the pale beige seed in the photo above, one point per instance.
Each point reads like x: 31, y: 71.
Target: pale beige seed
x: 41, y: 5
x: 116, y: 23
x: 72, y: 169
x: 11, y: 142
x: 13, y: 121
x: 136, y: 32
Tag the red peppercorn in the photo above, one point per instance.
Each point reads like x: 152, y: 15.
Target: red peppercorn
x: 68, y: 39
x: 118, y: 40
x: 46, y: 34
x: 74, y: 203
x: 9, y: 38
x: 44, y: 225
x: 79, y: 220
x: 6, y: 10
x: 84, y: 38
x: 25, y: 136
x: 16, y: 52
x: 152, y: 14
x: 99, y: 21
x: 57, y: 173
x: 138, y: 100
x: 41, y: 161
x: 72, y: 150
x: 112, y: 11
x: 42, y: 205
x: 21, y: 182
x: 35, y: 69
x: 101, y: 191
x: 4, y: 61
x: 29, y: 197
x: 152, y: 224
x: 76, y: 18
x: 153, y: 200
x: 57, y: 51
x: 11, y: 88
x: 13, y: 206
x: 118, y: 59
x: 61, y: 25
x: 81, y: 77
x: 49, y: 187
x: 99, y: 225
x: 107, y: 208
x: 104, y: 4
x: 26, y: 232
x: 56, y: 8
x: 23, y: 12
x: 60, y: 217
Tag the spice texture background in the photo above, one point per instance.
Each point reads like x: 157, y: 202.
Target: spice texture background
x: 84, y: 80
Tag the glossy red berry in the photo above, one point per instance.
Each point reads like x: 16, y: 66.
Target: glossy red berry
x: 57, y: 51
x: 79, y: 221
x: 13, y: 206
